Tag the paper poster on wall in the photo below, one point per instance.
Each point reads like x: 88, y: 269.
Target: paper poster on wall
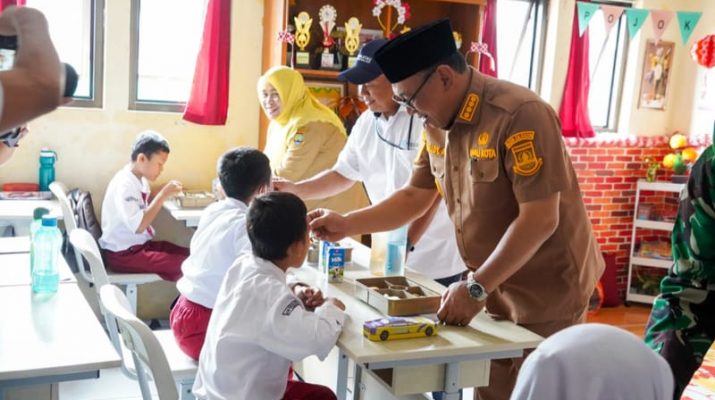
x: 656, y: 70
x: 706, y: 90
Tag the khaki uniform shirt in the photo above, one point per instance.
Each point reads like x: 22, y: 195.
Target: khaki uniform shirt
x: 505, y: 148
x: 311, y: 150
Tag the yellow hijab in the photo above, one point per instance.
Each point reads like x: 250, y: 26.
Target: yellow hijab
x: 298, y: 106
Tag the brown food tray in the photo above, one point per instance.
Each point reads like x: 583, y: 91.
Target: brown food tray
x: 406, y: 296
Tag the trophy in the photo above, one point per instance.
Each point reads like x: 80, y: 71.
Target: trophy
x: 328, y: 15
x: 352, y: 39
x: 457, y: 39
x: 302, y: 38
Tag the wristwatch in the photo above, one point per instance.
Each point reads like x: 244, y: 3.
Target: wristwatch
x: 476, y: 290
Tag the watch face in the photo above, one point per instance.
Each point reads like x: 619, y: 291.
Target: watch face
x: 476, y: 290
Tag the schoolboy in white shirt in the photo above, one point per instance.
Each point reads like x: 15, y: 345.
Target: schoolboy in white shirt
x: 128, y: 211
x: 259, y: 325
x: 221, y: 237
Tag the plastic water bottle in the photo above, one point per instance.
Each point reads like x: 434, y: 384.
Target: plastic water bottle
x: 35, y: 225
x: 47, y: 168
x: 396, y: 248
x: 45, y: 269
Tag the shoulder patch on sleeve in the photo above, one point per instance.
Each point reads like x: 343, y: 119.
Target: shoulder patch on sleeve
x: 288, y: 310
x: 298, y: 139
x: 519, y: 137
x: 526, y: 161
x: 130, y: 199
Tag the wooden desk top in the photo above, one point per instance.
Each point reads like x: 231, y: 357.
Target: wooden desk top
x: 50, y: 335
x: 483, y: 336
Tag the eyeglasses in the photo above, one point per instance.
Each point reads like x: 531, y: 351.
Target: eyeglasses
x: 408, y: 102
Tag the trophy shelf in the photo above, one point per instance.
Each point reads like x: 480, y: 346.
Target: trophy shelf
x: 318, y: 73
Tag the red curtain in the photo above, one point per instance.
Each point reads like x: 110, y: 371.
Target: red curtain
x: 489, y: 36
x: 208, y: 102
x: 5, y: 3
x: 574, y: 104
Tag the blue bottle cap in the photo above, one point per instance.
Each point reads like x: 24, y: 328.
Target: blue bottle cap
x: 48, y: 220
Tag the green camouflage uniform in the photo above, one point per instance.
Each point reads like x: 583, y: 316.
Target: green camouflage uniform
x: 682, y: 323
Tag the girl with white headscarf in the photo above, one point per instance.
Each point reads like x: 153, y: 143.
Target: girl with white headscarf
x: 594, y: 362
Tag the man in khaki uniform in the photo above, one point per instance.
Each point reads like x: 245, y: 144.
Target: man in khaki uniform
x: 494, y: 151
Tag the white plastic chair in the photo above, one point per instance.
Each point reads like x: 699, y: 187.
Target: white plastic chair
x: 129, y: 281
x: 154, y: 355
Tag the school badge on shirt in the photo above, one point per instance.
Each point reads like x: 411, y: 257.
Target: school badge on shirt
x: 526, y: 161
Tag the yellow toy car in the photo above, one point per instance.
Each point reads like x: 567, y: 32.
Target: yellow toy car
x: 392, y: 328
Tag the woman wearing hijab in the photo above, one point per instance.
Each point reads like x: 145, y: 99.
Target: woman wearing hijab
x: 304, y: 136
x: 594, y: 362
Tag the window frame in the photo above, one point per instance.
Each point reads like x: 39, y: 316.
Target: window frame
x: 96, y: 58
x: 134, y: 103
x: 615, y: 96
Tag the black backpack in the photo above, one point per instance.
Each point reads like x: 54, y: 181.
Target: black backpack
x: 83, y: 209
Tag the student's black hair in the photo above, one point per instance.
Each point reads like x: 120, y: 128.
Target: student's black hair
x: 243, y: 171
x: 275, y: 221
x: 149, y: 143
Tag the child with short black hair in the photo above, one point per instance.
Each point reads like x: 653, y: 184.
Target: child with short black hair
x: 260, y: 323
x: 127, y: 213
x: 221, y: 237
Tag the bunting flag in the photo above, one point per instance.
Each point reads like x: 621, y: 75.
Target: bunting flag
x: 585, y: 13
x: 687, y: 21
x: 611, y: 14
x: 636, y: 18
x: 660, y: 19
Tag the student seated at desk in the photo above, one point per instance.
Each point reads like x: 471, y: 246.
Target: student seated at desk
x: 127, y: 214
x: 221, y: 237
x: 260, y: 323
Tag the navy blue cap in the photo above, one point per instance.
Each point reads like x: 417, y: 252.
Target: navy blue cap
x: 365, y: 69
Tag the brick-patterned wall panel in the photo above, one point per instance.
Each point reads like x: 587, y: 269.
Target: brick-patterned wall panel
x: 607, y: 173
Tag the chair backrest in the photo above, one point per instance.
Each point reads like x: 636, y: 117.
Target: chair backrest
x: 140, y: 340
x: 84, y: 215
x: 59, y: 189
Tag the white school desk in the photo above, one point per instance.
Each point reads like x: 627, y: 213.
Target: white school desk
x: 47, y: 339
x: 15, y: 270
x: 14, y: 244
x: 190, y: 216
x: 457, y: 357
x: 19, y: 212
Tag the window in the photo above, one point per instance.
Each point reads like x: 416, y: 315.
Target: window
x: 520, y: 37
x: 166, y: 35
x: 79, y: 42
x: 607, y: 61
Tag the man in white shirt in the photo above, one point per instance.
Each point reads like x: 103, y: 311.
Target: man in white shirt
x: 220, y: 239
x: 259, y: 324
x: 379, y: 152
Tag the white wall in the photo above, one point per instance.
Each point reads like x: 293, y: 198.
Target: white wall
x: 93, y: 144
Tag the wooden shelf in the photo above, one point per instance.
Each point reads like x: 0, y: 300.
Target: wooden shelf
x: 657, y: 225
x: 640, y: 298
x: 318, y: 73
x: 661, y: 186
x: 651, y: 262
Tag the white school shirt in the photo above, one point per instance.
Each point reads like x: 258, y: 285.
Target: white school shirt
x: 220, y: 238
x: 384, y: 169
x: 256, y: 329
x: 123, y: 210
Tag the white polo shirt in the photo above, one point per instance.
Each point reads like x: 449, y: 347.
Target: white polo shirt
x: 256, y: 329
x: 220, y: 238
x: 385, y: 168
x: 123, y: 210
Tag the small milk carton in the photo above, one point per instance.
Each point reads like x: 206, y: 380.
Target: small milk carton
x: 332, y: 260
